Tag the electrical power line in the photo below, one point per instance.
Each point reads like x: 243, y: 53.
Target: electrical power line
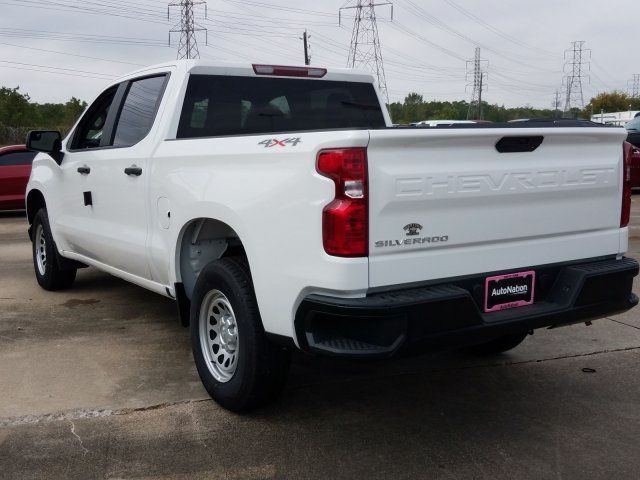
x: 365, y: 50
x: 576, y: 65
x: 499, y: 32
x: 187, y: 28
x: 634, y: 86
x: 71, y: 54
x: 557, y: 102
x: 55, y: 70
x: 478, y: 82
x: 272, y: 30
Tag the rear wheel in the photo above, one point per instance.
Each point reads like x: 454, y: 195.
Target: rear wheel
x: 238, y: 366
x: 498, y: 345
x: 46, y: 259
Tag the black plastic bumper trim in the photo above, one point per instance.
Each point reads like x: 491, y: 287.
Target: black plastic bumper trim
x: 450, y: 315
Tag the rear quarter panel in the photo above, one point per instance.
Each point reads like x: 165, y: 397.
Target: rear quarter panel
x: 272, y: 197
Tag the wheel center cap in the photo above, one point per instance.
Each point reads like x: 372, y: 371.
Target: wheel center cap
x: 227, y: 333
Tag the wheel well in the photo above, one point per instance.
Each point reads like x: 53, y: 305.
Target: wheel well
x: 35, y: 201
x: 204, y: 240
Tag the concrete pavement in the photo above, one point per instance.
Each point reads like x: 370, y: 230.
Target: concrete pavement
x: 98, y: 382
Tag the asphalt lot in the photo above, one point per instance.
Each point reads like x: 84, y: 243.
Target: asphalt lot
x: 98, y: 382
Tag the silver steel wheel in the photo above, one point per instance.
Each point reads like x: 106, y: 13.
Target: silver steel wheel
x: 40, y: 250
x: 219, y: 338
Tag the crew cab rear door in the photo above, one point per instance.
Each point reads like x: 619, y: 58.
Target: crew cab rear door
x: 120, y: 179
x: 453, y: 202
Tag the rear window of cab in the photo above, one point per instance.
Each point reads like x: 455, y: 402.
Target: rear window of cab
x: 219, y: 105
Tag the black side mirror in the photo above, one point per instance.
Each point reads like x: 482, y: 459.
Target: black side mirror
x: 47, y: 141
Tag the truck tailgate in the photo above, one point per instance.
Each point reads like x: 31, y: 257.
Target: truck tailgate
x: 446, y: 203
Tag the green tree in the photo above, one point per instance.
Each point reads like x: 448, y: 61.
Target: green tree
x: 16, y: 109
x: 73, y: 110
x: 607, y: 102
x: 18, y: 114
x: 415, y: 109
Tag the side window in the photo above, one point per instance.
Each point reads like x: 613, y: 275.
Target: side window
x: 91, y: 128
x: 16, y: 158
x: 139, y: 110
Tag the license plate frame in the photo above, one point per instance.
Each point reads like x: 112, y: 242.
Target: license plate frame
x: 517, y: 289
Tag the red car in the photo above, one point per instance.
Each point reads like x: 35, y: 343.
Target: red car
x: 15, y: 168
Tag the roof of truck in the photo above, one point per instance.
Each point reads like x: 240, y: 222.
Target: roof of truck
x: 246, y: 68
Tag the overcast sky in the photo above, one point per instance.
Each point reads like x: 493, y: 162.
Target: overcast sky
x: 424, y: 47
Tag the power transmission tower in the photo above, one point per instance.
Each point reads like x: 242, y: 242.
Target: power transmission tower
x: 188, y: 46
x: 557, y: 103
x: 364, y: 50
x: 577, y: 63
x: 634, y: 86
x: 307, y: 56
x: 476, y: 76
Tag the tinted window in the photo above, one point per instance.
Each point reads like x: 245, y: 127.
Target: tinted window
x: 16, y: 158
x: 634, y: 124
x: 91, y: 127
x: 226, y: 105
x: 138, y: 111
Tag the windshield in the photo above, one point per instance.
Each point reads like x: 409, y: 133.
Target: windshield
x: 225, y: 105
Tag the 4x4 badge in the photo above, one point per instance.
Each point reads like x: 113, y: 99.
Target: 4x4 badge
x: 272, y: 142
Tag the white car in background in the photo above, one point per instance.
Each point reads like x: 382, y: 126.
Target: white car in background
x: 440, y: 123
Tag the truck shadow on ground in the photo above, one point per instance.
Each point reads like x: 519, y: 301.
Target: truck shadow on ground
x: 308, y: 372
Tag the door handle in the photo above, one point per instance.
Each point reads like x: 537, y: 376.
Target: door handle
x: 84, y: 170
x: 137, y: 171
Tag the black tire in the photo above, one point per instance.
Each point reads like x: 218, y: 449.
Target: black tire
x: 498, y: 345
x: 262, y: 368
x: 54, y: 277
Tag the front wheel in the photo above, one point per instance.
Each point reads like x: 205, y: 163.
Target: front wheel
x: 237, y: 364
x: 46, y: 262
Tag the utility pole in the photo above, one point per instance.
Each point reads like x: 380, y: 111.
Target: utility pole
x: 476, y: 76
x: 307, y: 57
x: 556, y: 103
x: 365, y: 50
x: 634, y: 86
x: 575, y: 66
x: 481, y: 116
x: 188, y: 46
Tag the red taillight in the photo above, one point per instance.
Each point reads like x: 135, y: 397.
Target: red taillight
x: 284, y: 71
x: 345, y: 221
x: 626, y: 185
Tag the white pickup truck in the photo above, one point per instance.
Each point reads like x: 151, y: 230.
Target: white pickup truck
x: 281, y: 210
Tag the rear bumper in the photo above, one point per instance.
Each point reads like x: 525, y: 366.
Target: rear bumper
x: 450, y: 314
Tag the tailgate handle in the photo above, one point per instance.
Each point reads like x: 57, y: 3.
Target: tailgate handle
x: 518, y: 144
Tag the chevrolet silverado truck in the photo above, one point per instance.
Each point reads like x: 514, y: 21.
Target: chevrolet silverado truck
x: 281, y: 210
